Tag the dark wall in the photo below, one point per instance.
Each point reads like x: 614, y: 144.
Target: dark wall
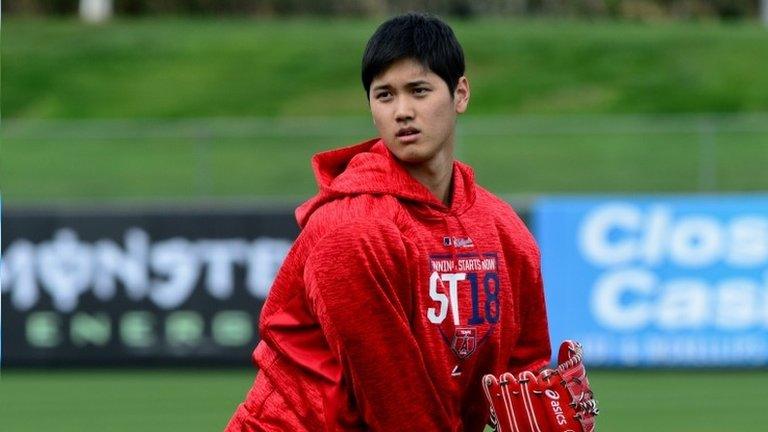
x: 633, y: 9
x: 139, y: 287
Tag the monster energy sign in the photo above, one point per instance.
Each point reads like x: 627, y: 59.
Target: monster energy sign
x: 145, y: 287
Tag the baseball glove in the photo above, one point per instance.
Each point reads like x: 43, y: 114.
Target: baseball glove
x: 555, y: 400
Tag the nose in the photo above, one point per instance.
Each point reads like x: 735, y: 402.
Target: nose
x: 404, y: 110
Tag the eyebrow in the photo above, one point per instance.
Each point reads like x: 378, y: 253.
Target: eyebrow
x: 410, y: 84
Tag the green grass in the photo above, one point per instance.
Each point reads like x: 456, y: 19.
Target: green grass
x: 205, y: 67
x: 522, y: 73
x: 134, y: 400
x: 203, y: 400
x: 237, y: 159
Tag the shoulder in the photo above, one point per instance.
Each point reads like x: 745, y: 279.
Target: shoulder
x: 354, y: 217
x: 359, y: 243
x: 511, y: 227
x: 501, y: 210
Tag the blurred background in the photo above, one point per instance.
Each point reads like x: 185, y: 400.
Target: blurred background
x: 153, y: 152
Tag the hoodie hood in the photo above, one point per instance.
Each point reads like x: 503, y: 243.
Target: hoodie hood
x: 370, y: 168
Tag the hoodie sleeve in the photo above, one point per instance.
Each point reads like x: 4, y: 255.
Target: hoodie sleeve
x: 358, y: 283
x: 532, y: 351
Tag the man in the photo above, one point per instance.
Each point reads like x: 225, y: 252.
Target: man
x: 408, y: 282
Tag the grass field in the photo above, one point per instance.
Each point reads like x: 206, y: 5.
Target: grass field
x: 269, y: 79
x: 242, y: 158
x: 203, y: 400
x: 305, y: 67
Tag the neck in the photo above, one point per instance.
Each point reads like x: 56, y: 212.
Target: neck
x: 436, y: 174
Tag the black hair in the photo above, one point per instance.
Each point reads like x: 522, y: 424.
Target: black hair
x: 418, y: 36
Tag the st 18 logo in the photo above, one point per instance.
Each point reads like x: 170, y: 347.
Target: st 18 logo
x: 444, y: 289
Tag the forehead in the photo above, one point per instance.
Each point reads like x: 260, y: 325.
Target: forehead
x: 404, y: 71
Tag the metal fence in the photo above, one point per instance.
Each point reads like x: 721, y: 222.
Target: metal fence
x: 250, y: 157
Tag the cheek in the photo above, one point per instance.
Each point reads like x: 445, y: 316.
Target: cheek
x: 442, y: 118
x: 379, y: 120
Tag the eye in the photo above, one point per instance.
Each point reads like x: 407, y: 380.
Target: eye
x: 420, y: 91
x: 383, y: 95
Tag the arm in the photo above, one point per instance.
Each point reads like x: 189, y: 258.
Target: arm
x: 358, y: 283
x: 532, y: 351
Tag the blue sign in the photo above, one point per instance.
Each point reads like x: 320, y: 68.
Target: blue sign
x: 658, y: 281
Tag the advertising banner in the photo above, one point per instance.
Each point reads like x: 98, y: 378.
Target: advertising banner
x: 137, y: 287
x: 658, y: 281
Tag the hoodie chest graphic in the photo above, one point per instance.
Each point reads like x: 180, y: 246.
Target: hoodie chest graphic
x: 464, y: 299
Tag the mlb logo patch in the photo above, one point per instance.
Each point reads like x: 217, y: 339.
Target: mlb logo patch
x: 446, y: 241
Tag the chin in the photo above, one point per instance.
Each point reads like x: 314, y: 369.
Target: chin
x: 411, y: 153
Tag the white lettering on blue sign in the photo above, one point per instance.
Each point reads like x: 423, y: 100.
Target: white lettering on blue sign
x: 663, y: 279
x: 622, y: 233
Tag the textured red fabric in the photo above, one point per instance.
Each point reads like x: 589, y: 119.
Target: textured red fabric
x: 391, y: 306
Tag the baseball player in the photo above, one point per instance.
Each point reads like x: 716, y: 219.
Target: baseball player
x: 409, y: 282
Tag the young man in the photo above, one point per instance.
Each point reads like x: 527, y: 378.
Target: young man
x: 409, y: 282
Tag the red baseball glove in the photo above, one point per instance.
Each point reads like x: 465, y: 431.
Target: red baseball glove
x: 555, y: 400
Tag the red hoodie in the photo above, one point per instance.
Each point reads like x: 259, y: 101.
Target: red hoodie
x: 391, y: 306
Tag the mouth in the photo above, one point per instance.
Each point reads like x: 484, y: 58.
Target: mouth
x: 408, y: 135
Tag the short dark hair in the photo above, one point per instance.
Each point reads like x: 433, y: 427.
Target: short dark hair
x: 418, y: 36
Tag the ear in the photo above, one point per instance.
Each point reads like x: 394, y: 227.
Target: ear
x: 461, y: 95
